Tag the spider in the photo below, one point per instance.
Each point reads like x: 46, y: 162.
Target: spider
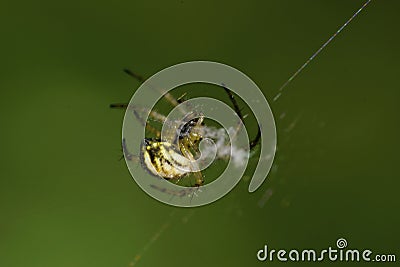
x: 172, y: 160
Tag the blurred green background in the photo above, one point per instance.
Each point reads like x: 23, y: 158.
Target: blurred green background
x: 67, y: 200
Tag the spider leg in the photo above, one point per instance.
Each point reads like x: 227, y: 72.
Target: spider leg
x: 170, y: 98
x: 148, y: 126
x: 185, y: 149
x: 154, y: 115
x: 126, y: 154
x: 238, y: 111
x: 177, y: 180
x: 234, y: 102
x: 134, y: 75
x: 181, y: 99
x: 119, y: 105
x: 256, y: 139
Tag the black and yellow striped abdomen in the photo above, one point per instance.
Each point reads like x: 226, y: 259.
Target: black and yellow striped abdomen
x: 163, y: 159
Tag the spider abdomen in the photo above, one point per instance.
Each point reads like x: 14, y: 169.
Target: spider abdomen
x: 163, y: 159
